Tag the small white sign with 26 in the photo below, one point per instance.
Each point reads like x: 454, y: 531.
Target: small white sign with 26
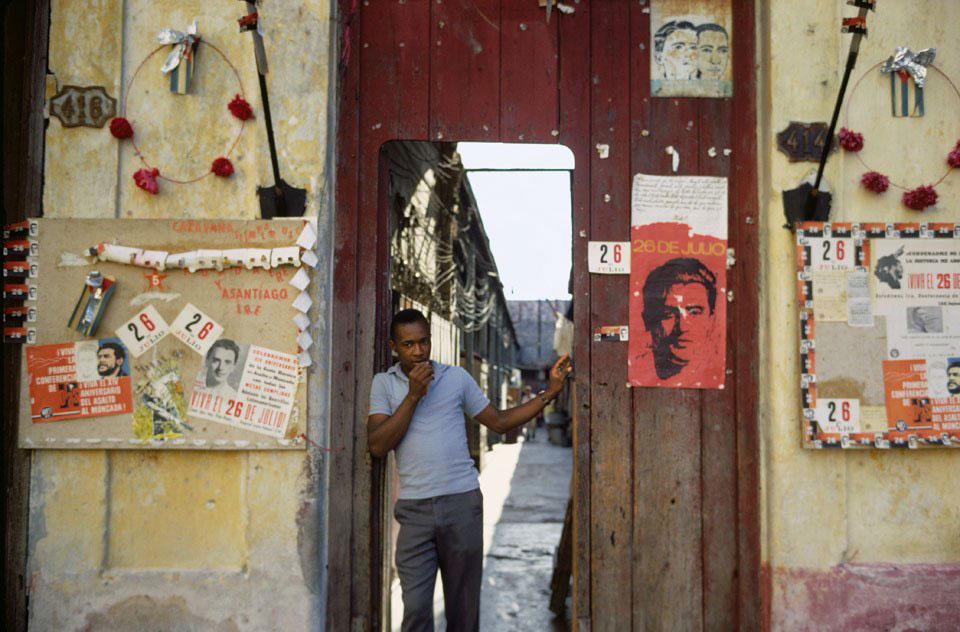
x: 196, y: 329
x: 143, y: 331
x: 608, y: 257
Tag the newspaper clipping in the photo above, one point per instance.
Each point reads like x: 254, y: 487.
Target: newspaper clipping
x: 246, y: 386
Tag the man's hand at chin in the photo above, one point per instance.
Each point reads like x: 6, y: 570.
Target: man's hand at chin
x: 420, y: 377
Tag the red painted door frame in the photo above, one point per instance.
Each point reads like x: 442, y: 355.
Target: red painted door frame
x: 494, y: 70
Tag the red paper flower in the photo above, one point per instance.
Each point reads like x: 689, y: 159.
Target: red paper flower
x: 953, y: 158
x: 920, y: 198
x: 850, y: 140
x: 146, y: 179
x: 121, y: 128
x: 876, y: 182
x: 240, y: 108
x: 222, y: 167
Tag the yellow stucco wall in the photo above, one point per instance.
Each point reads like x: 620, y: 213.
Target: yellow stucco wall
x: 190, y: 540
x: 827, y: 508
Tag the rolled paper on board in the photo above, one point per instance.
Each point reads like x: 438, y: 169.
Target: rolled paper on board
x: 235, y: 257
x: 210, y: 259
x: 118, y: 254
x: 257, y: 257
x: 289, y: 256
x: 156, y: 259
x: 192, y: 261
x: 177, y: 260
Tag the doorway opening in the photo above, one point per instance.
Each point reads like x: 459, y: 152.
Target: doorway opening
x: 480, y: 241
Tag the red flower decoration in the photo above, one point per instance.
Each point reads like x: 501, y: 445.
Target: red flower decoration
x: 920, y: 198
x: 240, y: 108
x: 121, y: 128
x: 876, y: 182
x: 146, y: 179
x: 953, y: 158
x: 222, y: 167
x: 849, y: 140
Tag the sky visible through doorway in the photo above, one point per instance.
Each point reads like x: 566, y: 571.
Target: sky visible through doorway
x: 526, y: 214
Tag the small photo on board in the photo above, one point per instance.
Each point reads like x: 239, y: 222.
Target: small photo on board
x: 925, y: 319
x: 222, y: 368
x: 246, y: 386
x: 99, y: 359
x: 691, y: 45
x: 953, y: 377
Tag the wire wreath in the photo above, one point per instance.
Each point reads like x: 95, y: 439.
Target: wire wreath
x: 917, y: 198
x: 120, y: 127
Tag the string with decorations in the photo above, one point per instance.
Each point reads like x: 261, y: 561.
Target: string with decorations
x: 180, y: 60
x: 920, y: 197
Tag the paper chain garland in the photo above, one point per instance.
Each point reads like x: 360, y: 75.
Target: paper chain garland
x: 917, y: 198
x: 146, y: 178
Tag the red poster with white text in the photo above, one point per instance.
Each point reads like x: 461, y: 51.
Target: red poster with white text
x: 78, y: 380
x: 678, y: 293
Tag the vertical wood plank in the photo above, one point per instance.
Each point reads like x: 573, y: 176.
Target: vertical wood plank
x: 574, y: 101
x: 394, y: 89
x: 718, y: 436
x: 752, y: 604
x: 395, y: 58
x: 465, y: 70
x: 343, y: 388
x: 25, y: 45
x: 643, y: 159
x: 611, y: 495
x: 529, y: 66
x: 667, y: 564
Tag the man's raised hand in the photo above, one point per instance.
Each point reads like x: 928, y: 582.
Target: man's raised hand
x: 420, y: 377
x: 558, y: 373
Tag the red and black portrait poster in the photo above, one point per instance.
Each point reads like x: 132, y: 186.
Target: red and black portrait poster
x: 678, y: 315
x: 78, y: 380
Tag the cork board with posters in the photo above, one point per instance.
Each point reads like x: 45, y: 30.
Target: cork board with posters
x: 184, y: 357
x: 879, y: 334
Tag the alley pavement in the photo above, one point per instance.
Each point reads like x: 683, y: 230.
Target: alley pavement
x: 525, y: 488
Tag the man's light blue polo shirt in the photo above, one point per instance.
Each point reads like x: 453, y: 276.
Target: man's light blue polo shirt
x: 432, y: 458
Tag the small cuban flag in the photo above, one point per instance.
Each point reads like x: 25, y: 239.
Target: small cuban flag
x: 905, y: 101
x: 907, y: 71
x: 180, y: 63
x: 181, y: 76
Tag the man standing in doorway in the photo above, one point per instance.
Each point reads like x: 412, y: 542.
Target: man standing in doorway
x: 417, y: 408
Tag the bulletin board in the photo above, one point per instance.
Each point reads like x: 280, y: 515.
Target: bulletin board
x: 879, y: 334
x: 202, y: 343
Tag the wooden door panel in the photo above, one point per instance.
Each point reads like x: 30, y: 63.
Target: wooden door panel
x: 666, y: 523
x: 610, y: 446
x: 465, y: 70
x: 528, y: 75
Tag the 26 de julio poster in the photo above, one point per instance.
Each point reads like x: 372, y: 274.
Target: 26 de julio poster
x: 77, y: 380
x: 678, y: 302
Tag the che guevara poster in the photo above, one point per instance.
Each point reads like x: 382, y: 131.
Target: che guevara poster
x: 678, y: 293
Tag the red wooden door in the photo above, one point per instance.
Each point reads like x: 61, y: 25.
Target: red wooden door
x: 667, y: 527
